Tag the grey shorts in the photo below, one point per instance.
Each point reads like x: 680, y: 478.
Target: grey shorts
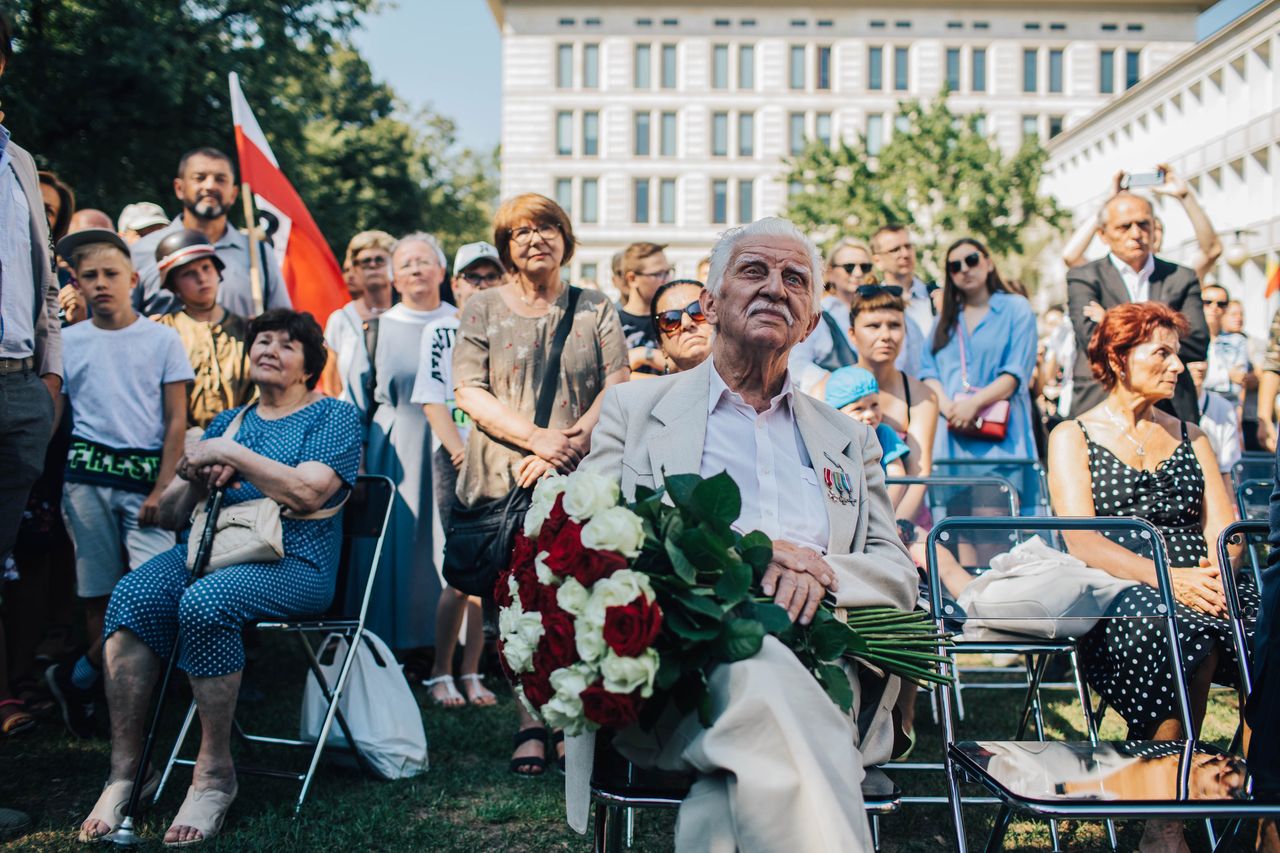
x: 103, y: 523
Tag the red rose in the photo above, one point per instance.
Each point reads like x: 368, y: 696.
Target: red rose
x: 558, y: 642
x: 502, y: 590
x: 547, y: 601
x: 564, y: 552
x: 522, y: 551
x: 611, y: 710
x: 528, y: 585
x: 631, y: 628
x: 593, y: 565
x: 537, y: 685
x: 554, y: 520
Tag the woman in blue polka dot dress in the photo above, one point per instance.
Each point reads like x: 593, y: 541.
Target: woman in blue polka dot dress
x: 293, y: 446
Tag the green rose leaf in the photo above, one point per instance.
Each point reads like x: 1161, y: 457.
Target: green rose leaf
x: 683, y: 625
x: 836, y: 683
x: 681, y: 487
x: 717, y: 499
x: 757, y: 549
x: 734, y: 583
x: 829, y: 639
x: 702, y: 605
x: 740, y: 639
x: 774, y: 619
x: 704, y: 548
x: 684, y: 569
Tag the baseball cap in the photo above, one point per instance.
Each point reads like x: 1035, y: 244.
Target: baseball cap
x: 472, y: 252
x: 142, y: 214
x: 849, y: 385
x: 75, y: 240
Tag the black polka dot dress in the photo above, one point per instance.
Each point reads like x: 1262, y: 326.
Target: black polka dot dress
x: 1126, y: 660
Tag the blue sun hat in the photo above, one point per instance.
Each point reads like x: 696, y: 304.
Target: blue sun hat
x: 849, y: 385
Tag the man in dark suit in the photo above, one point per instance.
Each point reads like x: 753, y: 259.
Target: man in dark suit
x: 1132, y: 273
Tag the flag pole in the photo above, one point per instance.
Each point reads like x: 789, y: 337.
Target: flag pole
x: 255, y: 256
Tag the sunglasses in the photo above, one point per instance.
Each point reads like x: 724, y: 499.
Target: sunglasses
x: 969, y: 261
x: 374, y: 263
x: 850, y: 269
x: 670, y: 322
x: 868, y: 290
x: 476, y: 279
x: 1220, y: 303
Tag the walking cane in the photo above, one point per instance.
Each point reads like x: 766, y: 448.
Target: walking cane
x: 124, y: 835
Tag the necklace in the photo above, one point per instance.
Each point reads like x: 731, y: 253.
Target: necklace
x: 1141, y: 446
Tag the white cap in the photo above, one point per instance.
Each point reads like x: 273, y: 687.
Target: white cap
x: 143, y: 214
x: 472, y: 252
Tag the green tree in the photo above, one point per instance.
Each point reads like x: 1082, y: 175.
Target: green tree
x: 938, y: 175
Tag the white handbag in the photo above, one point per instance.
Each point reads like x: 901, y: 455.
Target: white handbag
x: 247, y: 532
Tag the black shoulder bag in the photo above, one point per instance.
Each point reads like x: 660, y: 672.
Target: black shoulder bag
x: 480, y: 537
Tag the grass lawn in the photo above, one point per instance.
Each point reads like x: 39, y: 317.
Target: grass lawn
x: 468, y: 802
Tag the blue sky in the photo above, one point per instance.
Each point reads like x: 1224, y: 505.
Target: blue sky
x: 447, y: 54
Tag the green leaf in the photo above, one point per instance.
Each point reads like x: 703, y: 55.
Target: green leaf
x: 686, y: 627
x: 836, y: 683
x: 680, y: 487
x: 644, y: 493
x: 774, y: 619
x: 684, y: 569
x: 734, y: 583
x: 717, y: 499
x: 739, y: 639
x: 700, y: 602
x: 704, y: 548
x: 829, y: 639
x: 669, y: 671
x: 757, y: 550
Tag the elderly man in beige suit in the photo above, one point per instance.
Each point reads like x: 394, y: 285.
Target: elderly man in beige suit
x: 781, y: 765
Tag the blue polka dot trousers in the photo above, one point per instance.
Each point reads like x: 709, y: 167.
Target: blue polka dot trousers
x: 153, y: 602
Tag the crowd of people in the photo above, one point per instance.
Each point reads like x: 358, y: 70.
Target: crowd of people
x: 146, y: 361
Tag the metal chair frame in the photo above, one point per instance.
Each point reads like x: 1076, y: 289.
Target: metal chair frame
x: 1254, y: 465
x: 1035, y: 465
x: 303, y: 629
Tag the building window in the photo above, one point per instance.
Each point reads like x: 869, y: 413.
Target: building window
x: 746, y: 201
x: 589, y: 272
x: 720, y: 202
x: 1110, y: 28
x: 720, y: 135
x: 746, y: 66
x: 902, y: 25
x: 1031, y: 127
x: 564, y: 134
x: 823, y: 68
x: 796, y: 75
x: 564, y: 66
x: 590, y: 200
x: 877, y: 25
x: 668, y: 66
x: 1107, y: 72
x: 875, y: 68
x: 667, y: 201
x: 591, y: 66
x: 822, y: 128
x: 720, y: 67
x: 642, y: 134
x: 901, y: 124
x: 900, y: 68
x: 1055, y: 126
x: 1030, y: 80
x: 746, y: 134
x: 643, y: 66
x: 875, y: 133
x: 590, y: 134
x: 667, y: 130
x: 641, y: 201
x: 979, y: 76
x: 1131, y: 70
x: 953, y: 69
x: 1055, y: 71
x: 1058, y: 27
x: 795, y: 127
x: 955, y: 25
x: 564, y: 194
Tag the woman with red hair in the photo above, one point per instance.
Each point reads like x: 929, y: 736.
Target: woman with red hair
x: 1144, y: 462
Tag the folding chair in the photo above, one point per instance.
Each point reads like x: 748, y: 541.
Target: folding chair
x: 1057, y: 780
x: 1254, y: 465
x: 618, y: 788
x: 1253, y: 497
x: 1028, y: 476
x: 364, y: 517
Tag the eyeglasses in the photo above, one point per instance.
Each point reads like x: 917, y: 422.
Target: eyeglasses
x: 662, y: 274
x: 670, y: 322
x: 850, y: 269
x: 868, y: 290
x: 371, y: 263
x: 476, y: 279
x: 1220, y: 303
x: 969, y: 261
x: 524, y: 236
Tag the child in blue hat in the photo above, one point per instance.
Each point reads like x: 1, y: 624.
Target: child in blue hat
x: 853, y: 390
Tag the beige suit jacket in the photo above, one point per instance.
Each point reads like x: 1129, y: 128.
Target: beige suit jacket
x: 653, y: 426
x: 48, y: 328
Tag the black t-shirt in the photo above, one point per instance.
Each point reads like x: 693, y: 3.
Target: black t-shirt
x: 638, y: 329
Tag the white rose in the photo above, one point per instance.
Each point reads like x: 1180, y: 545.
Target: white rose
x: 587, y: 494
x: 564, y: 709
x: 529, y: 628
x: 545, y: 575
x: 544, y: 498
x: 622, y: 587
x: 519, y: 654
x: 588, y: 637
x: 624, y: 675
x: 572, y: 597
x: 509, y: 617
x: 616, y: 529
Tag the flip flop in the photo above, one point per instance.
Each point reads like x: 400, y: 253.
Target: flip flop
x: 203, y: 811
x: 536, y: 764
x: 17, y: 720
x: 483, y: 697
x: 112, y: 802
x: 451, y: 692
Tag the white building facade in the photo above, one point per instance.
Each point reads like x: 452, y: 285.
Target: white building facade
x: 1212, y: 114
x: 670, y: 123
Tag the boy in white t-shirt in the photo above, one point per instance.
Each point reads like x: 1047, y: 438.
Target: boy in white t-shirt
x: 475, y: 267
x: 126, y: 381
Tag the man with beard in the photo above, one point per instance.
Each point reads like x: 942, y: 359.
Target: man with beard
x: 206, y: 186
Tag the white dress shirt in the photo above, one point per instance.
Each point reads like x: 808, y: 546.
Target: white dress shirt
x: 1137, y: 282
x: 765, y: 455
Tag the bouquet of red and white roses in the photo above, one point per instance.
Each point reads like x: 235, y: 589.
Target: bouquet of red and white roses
x: 608, y: 610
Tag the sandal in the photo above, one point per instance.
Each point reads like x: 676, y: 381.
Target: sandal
x: 452, y: 698
x: 203, y: 811
x: 530, y: 766
x: 16, y: 719
x: 109, y: 808
x: 480, y: 696
x: 557, y: 740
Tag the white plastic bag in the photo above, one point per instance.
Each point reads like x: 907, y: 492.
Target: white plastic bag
x: 377, y: 704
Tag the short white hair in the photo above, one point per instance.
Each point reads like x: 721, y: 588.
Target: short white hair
x: 425, y: 239
x: 770, y: 226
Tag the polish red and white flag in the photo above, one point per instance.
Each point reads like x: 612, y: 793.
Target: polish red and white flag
x: 310, y: 270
